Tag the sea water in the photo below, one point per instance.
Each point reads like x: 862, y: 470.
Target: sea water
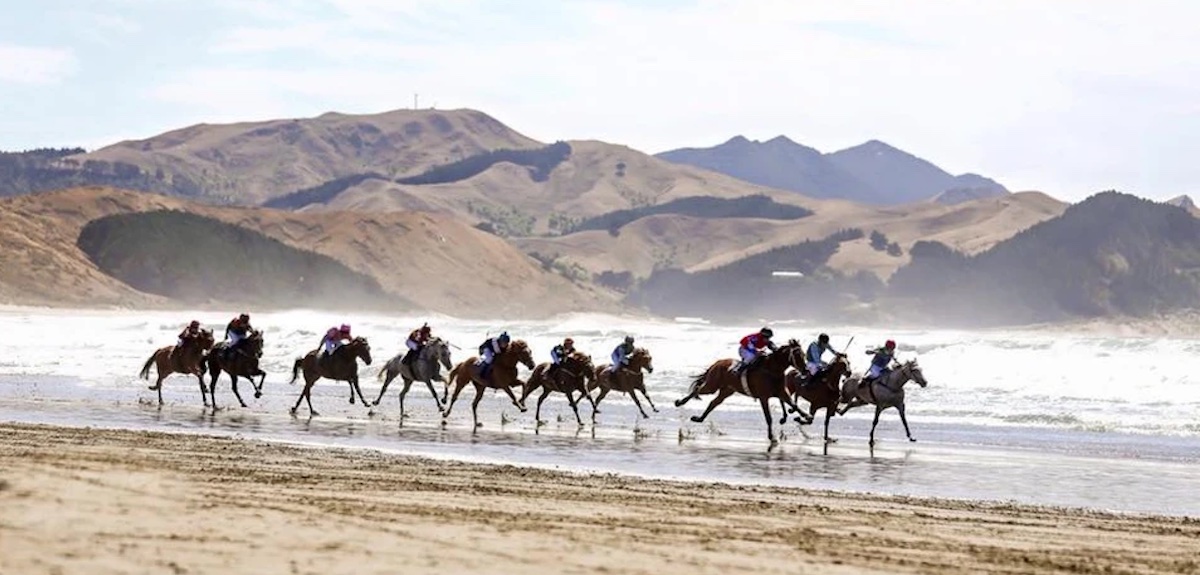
x: 1033, y: 417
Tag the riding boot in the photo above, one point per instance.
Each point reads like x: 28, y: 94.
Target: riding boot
x: 408, y: 357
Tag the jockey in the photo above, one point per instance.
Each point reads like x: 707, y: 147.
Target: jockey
x: 750, y: 348
x: 334, y: 338
x: 620, y: 355
x: 559, y: 353
x: 488, y: 351
x: 237, y: 330
x: 192, y: 330
x: 415, y: 343
x: 881, y: 364
x: 816, y: 349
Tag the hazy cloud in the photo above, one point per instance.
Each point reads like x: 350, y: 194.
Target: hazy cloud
x: 34, y: 65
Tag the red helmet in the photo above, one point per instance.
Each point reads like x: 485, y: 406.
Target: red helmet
x: 890, y: 344
x: 345, y: 328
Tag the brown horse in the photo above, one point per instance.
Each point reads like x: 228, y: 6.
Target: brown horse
x: 626, y: 380
x: 575, y: 372
x: 341, y: 365
x: 503, y: 376
x: 187, y: 358
x: 824, y: 390
x: 242, y: 363
x: 761, y: 382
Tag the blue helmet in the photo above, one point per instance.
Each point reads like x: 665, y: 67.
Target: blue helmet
x: 503, y: 338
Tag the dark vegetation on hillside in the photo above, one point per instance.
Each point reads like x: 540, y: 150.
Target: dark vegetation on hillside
x: 194, y: 259
x: 757, y: 206
x: 1112, y: 254
x: 48, y: 169
x: 748, y: 289
x: 540, y: 162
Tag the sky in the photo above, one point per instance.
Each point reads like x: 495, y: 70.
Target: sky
x: 1069, y: 97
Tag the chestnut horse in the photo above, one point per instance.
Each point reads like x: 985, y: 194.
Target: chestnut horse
x: 187, y: 358
x: 627, y: 380
x: 884, y: 392
x: 503, y: 377
x: 822, y: 391
x: 575, y: 372
x: 243, y: 362
x: 426, y: 368
x: 761, y: 382
x: 341, y: 365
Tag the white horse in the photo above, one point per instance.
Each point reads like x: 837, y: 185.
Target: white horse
x: 426, y: 367
x: 884, y: 392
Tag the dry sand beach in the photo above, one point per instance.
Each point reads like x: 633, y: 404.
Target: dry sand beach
x: 75, y: 500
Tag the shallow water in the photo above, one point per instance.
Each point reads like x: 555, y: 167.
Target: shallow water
x: 1109, y: 423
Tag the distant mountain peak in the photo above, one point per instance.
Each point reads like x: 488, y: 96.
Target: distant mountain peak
x: 1184, y: 201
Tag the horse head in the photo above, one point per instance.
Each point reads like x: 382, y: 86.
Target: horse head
x: 790, y: 355
x: 359, y: 347
x: 438, y: 350
x: 641, y: 359
x: 253, y: 345
x: 582, y: 362
x: 520, y: 350
x: 205, y: 340
x: 914, y: 371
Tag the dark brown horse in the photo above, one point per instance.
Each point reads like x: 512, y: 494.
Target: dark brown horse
x: 761, y: 382
x: 187, y: 358
x: 341, y: 365
x: 627, y: 380
x: 821, y: 391
x: 503, y: 377
x: 242, y: 362
x: 573, y: 374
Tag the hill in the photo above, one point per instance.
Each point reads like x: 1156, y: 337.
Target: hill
x: 1112, y: 254
x: 693, y: 244
x: 195, y: 259
x: 421, y: 257
x: 873, y: 172
x: 251, y: 162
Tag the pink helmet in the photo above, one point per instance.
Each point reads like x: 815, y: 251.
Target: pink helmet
x: 345, y: 328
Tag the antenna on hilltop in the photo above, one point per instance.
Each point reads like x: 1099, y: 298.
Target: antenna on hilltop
x: 414, y: 101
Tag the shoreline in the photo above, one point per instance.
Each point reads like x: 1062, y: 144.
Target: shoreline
x: 108, y: 501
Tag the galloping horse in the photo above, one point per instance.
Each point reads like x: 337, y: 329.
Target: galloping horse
x: 575, y: 372
x: 243, y: 362
x: 761, y: 382
x: 503, y: 376
x: 821, y: 391
x: 341, y: 365
x: 187, y: 358
x: 426, y: 368
x: 884, y: 392
x: 630, y: 380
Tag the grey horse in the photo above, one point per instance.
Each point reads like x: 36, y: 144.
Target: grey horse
x: 884, y: 392
x: 427, y: 367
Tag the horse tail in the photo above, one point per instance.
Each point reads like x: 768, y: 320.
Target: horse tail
x: 146, y: 368
x: 296, y: 370
x: 382, y: 370
x: 697, y: 381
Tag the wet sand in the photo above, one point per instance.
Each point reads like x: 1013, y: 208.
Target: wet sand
x: 74, y: 500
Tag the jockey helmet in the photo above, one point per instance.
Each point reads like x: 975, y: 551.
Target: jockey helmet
x: 568, y: 342
x: 244, y: 317
x: 503, y: 337
x: 425, y: 329
x: 766, y: 332
x: 195, y: 324
x: 345, y: 328
x: 823, y: 338
x: 890, y: 344
x: 629, y: 339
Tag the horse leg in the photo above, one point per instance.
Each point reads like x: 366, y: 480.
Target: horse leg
x: 403, y: 392
x: 722, y: 395
x: 458, y: 387
x: 591, y: 401
x: 383, y: 390
x: 638, y: 403
x: 904, y: 420
x: 236, y: 393
x: 527, y: 389
x: 766, y: 407
x: 158, y: 386
x: 356, y: 388
x: 828, y: 416
x: 642, y: 388
x: 575, y: 407
x: 603, y: 392
x: 204, y: 391
x: 513, y: 397
x: 807, y: 417
x: 783, y: 407
x: 537, y: 412
x: 475, y: 405
x: 878, y: 410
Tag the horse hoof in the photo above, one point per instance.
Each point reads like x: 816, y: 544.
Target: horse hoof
x: 912, y: 439
x: 151, y: 388
x: 542, y: 422
x: 257, y: 395
x: 479, y: 424
x: 292, y: 411
x: 697, y: 419
x: 679, y: 402
x: 830, y: 440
